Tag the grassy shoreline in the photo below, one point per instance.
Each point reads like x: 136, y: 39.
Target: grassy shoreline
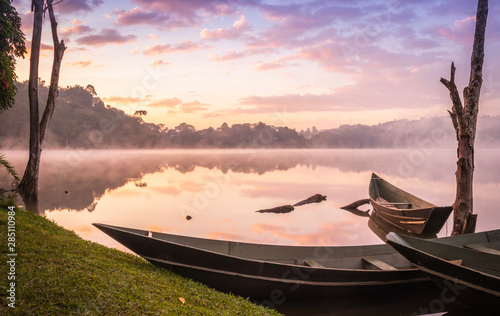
x: 58, y: 273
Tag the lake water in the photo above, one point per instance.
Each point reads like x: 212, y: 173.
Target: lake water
x: 221, y: 190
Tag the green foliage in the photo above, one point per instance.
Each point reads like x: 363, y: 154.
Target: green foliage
x: 11, y: 45
x: 58, y: 273
x: 9, y: 167
x: 81, y: 120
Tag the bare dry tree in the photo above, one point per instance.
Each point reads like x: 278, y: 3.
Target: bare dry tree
x: 464, y: 118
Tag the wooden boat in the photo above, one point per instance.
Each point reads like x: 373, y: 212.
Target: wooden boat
x: 404, y: 210
x: 470, y: 274
x: 271, y: 271
x: 381, y: 227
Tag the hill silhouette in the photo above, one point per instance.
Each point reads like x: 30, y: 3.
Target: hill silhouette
x: 82, y: 120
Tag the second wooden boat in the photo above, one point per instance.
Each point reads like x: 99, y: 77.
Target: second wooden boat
x: 405, y: 210
x: 470, y: 273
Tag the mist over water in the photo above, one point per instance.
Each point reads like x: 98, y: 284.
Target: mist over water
x: 222, y: 190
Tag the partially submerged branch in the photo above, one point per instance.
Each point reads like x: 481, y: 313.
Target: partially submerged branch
x: 278, y: 210
x: 317, y: 198
x: 356, y: 204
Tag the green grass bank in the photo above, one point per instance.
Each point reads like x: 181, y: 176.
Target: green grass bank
x: 58, y: 273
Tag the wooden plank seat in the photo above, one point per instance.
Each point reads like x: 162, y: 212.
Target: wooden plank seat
x: 396, y: 203
x: 379, y: 264
x: 313, y: 263
x: 458, y: 261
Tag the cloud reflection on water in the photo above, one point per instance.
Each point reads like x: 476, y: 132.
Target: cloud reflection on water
x: 222, y: 189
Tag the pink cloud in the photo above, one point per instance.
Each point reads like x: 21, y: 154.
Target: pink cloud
x: 185, y: 46
x: 107, y: 36
x: 174, y: 14
x: 289, y: 103
x: 192, y: 186
x: 462, y: 31
x: 72, y: 6
x: 159, y: 62
x: 76, y: 28
x: 122, y: 100
x: 43, y: 47
x: 276, y: 64
x: 189, y: 107
x: 233, y: 55
x: 137, y: 16
x: 194, y: 106
x: 82, y: 63
x: 190, y: 9
x: 233, y: 236
x: 237, y: 30
x: 177, y: 106
x: 168, y: 103
x: 157, y: 228
x: 322, y: 236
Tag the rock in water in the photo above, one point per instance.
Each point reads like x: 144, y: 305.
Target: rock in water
x: 317, y: 198
x: 278, y: 210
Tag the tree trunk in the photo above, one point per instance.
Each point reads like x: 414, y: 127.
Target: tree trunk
x: 28, y: 187
x: 59, y: 49
x: 463, y: 206
x: 464, y: 119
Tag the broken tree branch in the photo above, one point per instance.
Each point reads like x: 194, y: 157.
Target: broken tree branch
x: 457, y: 108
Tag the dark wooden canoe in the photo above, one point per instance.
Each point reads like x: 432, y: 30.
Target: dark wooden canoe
x: 381, y: 227
x: 405, y: 210
x: 264, y: 271
x: 470, y: 274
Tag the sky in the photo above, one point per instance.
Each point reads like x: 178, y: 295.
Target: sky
x: 299, y: 63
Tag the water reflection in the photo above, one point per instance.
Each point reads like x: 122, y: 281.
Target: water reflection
x: 428, y: 303
x: 215, y: 194
x: 220, y: 190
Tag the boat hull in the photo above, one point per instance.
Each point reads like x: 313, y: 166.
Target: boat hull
x: 469, y: 276
x: 404, y: 210
x: 294, y: 282
x: 267, y: 271
x: 261, y: 278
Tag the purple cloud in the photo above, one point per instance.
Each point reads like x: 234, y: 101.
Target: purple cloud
x: 107, y: 36
x: 76, y: 28
x: 72, y: 6
x: 178, y: 13
x: 185, y: 46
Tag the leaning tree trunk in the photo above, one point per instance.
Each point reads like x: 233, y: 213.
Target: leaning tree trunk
x: 464, y: 120
x: 28, y: 187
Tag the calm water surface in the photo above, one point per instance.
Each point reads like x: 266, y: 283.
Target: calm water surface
x: 222, y: 190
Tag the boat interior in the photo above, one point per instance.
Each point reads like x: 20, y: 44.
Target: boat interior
x: 370, y: 257
x: 388, y: 195
x: 482, y: 254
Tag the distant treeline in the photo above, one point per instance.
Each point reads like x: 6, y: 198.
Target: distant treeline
x: 82, y: 120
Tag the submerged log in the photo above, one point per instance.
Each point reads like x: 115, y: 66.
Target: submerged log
x: 355, y: 205
x: 317, y: 198
x: 278, y: 210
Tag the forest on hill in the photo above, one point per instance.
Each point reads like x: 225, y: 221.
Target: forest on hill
x: 82, y: 120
